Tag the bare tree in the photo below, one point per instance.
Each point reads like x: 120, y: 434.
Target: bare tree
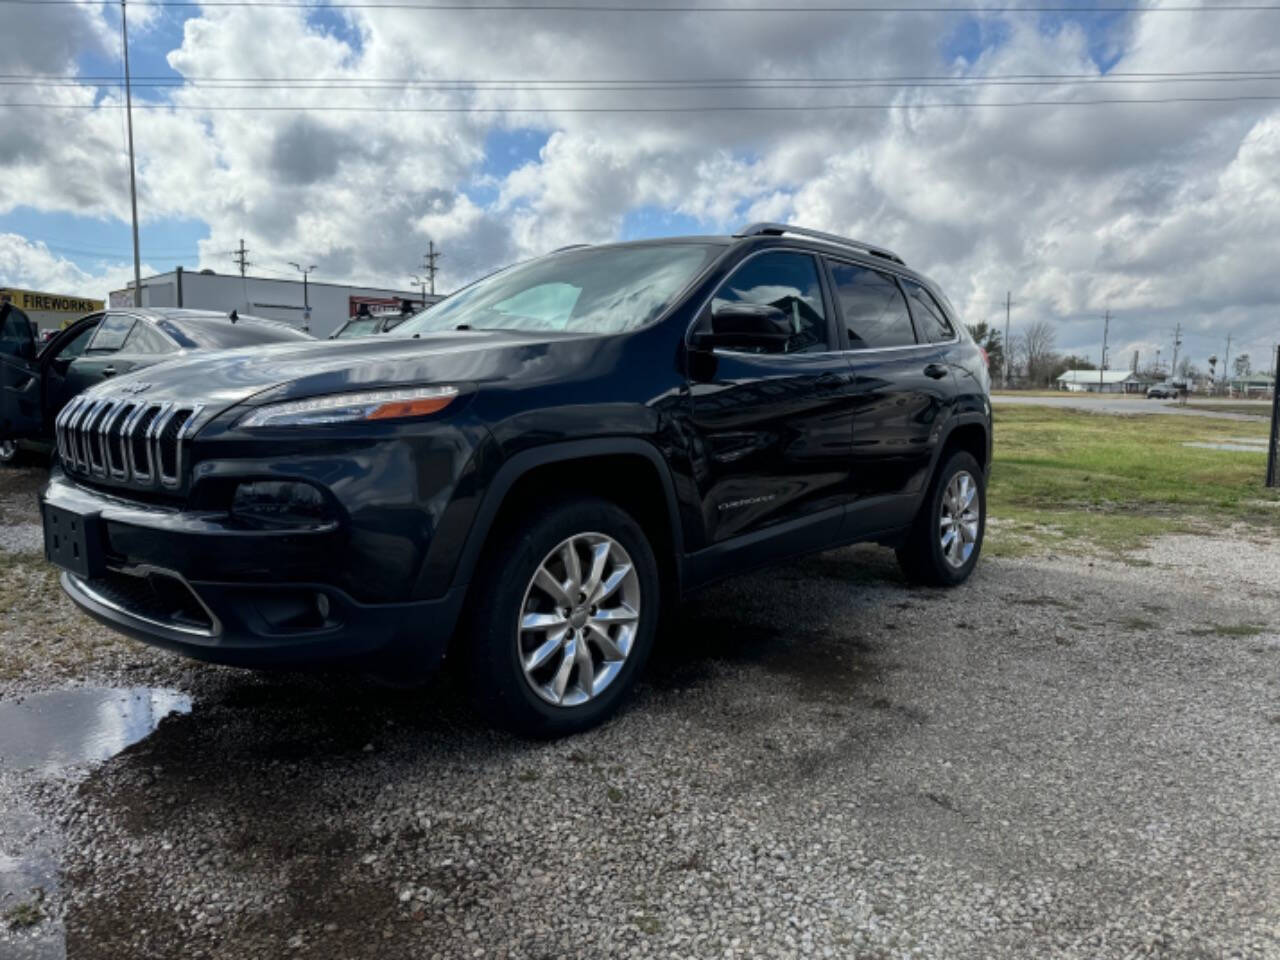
x: 1034, y: 350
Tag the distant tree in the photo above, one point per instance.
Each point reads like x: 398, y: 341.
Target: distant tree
x: 988, y: 338
x: 1076, y: 362
x: 1242, y: 365
x: 1184, y: 368
x: 1035, y: 352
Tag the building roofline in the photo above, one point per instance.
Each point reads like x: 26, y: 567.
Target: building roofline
x: 235, y: 276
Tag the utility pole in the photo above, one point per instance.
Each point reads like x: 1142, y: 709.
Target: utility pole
x: 1106, y: 331
x: 1226, y: 366
x: 240, y: 256
x: 1008, y: 348
x: 422, y: 282
x: 1177, y: 342
x: 133, y: 178
x: 429, y: 264
x: 306, y: 302
x: 1159, y: 369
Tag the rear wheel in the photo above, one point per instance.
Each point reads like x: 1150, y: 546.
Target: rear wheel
x: 567, y: 607
x: 8, y: 452
x: 944, y: 543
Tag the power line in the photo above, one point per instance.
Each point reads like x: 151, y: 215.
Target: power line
x: 447, y: 86
x: 707, y: 108
x: 673, y: 81
x: 673, y: 8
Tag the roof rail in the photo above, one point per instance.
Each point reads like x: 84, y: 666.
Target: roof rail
x: 778, y: 229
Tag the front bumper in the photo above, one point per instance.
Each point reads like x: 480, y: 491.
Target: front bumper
x: 165, y: 583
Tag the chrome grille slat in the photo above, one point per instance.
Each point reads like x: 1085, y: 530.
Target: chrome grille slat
x: 126, y: 441
x: 95, y: 434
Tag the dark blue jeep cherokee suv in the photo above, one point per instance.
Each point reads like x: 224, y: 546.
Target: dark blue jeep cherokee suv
x: 527, y: 473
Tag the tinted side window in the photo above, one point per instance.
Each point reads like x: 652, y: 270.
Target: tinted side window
x: 875, y: 314
x: 16, y: 332
x: 930, y: 319
x: 788, y: 281
x: 145, y: 339
x: 111, y: 334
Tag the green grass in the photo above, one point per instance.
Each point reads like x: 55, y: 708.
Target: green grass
x: 1075, y: 481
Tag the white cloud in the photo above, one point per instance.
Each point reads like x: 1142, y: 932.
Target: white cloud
x: 1164, y: 213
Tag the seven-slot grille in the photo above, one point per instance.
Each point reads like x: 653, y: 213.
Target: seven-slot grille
x: 124, y: 440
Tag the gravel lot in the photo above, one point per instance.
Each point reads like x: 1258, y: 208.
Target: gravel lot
x: 1063, y: 758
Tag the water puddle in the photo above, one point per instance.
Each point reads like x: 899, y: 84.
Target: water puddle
x: 50, y: 731
x: 47, y: 735
x: 1235, y: 445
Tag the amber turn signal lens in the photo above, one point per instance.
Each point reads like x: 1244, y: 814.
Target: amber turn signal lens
x: 409, y: 408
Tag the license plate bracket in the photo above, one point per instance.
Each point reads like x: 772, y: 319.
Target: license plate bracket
x: 74, y: 541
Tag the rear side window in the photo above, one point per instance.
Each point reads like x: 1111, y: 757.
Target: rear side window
x: 931, y: 321
x: 788, y: 281
x: 875, y: 314
x: 146, y: 339
x: 112, y: 332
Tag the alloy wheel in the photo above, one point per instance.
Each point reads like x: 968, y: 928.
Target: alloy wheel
x: 579, y: 619
x: 959, y: 519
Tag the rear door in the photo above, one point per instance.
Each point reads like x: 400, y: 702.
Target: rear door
x: 773, y: 429
x: 20, y: 408
x: 903, y: 393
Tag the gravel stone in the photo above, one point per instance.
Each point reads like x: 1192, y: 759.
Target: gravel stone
x: 1065, y: 757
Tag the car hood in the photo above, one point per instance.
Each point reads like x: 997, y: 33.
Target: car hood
x: 291, y: 370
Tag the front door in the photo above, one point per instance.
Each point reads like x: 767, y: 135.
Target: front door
x: 772, y: 430
x: 902, y: 390
x: 56, y: 360
x: 20, y: 408
x: 99, y: 361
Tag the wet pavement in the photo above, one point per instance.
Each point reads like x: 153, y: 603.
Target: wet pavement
x: 53, y: 738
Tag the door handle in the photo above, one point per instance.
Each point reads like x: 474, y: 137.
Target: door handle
x: 108, y: 371
x: 935, y: 370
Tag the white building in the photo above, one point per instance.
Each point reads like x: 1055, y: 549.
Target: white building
x: 1101, y: 381
x: 331, y: 304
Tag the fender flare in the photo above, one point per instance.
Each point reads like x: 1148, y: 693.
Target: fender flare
x: 522, y: 463
x: 962, y: 420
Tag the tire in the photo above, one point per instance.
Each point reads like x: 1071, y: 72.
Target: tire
x: 515, y: 585
x: 922, y: 557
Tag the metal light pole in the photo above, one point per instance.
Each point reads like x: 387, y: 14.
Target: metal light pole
x: 306, y: 301
x: 133, y: 180
x: 422, y: 282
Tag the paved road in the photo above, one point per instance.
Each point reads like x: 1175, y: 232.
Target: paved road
x: 1063, y: 758
x: 1096, y: 404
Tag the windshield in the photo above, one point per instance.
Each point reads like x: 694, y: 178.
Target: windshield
x: 590, y: 290
x: 358, y: 328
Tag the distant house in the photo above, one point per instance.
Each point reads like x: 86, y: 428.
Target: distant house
x: 1104, y: 381
x: 1254, y: 385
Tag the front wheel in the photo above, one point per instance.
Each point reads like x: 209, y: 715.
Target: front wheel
x: 566, y: 608
x: 8, y: 452
x: 944, y: 543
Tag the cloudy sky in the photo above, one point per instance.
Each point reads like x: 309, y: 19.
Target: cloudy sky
x: 504, y: 134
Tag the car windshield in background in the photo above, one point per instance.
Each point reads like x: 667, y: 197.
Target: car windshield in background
x: 221, y: 334
x: 359, y: 328
x: 590, y: 290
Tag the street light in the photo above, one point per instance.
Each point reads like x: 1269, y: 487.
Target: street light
x: 422, y: 282
x: 306, y: 302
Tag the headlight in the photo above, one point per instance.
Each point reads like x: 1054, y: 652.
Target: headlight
x: 351, y: 407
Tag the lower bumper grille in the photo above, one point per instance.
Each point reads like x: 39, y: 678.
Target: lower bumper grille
x: 159, y: 598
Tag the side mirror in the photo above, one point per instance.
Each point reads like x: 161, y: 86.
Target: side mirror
x: 756, y: 326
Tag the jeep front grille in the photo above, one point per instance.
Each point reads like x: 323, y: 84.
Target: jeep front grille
x: 141, y: 444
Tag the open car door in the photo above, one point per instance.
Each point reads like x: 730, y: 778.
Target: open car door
x: 21, y: 406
